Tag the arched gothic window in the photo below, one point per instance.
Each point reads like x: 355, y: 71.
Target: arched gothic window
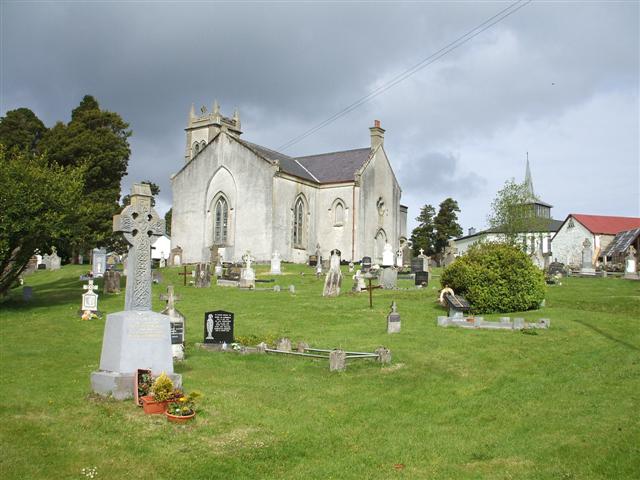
x: 338, y: 213
x: 220, y: 228
x: 298, y: 222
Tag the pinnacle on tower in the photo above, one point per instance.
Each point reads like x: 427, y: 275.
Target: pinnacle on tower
x: 528, y: 181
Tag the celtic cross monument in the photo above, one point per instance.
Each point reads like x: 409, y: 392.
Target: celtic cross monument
x: 135, y: 338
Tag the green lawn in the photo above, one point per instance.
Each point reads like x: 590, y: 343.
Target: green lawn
x: 562, y: 404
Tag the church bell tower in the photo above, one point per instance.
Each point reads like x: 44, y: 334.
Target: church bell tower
x: 201, y: 129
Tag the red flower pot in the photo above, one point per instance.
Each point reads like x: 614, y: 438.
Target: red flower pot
x: 150, y: 406
x: 179, y: 418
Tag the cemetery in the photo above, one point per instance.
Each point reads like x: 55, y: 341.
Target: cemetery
x: 334, y: 365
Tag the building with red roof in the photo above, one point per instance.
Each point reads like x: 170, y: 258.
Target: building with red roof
x: 600, y: 230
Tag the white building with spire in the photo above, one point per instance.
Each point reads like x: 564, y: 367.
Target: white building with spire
x: 536, y: 241
x: 231, y: 196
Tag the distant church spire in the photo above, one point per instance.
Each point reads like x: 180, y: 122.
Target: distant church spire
x: 528, y: 181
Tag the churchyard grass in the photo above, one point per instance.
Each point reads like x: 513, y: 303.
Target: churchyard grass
x: 454, y: 403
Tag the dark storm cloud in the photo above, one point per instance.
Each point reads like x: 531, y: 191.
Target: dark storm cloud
x: 289, y: 66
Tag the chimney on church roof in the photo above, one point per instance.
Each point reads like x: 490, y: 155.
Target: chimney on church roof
x: 377, y: 135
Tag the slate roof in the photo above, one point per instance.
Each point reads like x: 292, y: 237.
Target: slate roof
x: 287, y: 164
x: 606, y: 224
x: 336, y: 166
x: 323, y: 168
x: 621, y: 242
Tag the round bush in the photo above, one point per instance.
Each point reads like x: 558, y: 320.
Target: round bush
x: 496, y: 278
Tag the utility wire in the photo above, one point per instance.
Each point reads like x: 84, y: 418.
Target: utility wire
x: 490, y: 22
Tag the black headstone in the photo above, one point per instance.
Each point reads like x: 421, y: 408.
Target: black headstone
x: 218, y: 327
x: 422, y: 278
x: 417, y: 265
x: 177, y: 333
x: 42, y: 266
x: 313, y: 260
x: 366, y: 264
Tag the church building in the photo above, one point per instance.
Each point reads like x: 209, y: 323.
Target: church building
x: 232, y: 196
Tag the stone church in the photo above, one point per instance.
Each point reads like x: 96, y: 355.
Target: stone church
x: 233, y: 196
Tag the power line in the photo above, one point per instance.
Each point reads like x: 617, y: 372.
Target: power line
x: 490, y: 22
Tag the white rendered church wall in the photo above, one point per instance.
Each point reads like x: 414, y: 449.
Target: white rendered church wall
x: 285, y: 193
x: 251, y: 214
x: 378, y: 182
x: 334, y: 232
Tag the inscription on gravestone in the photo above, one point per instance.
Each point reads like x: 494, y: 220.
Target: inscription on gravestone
x: 422, y: 278
x: 218, y: 327
x: 366, y: 264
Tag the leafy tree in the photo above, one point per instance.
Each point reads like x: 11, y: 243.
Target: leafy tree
x: 167, y: 220
x: 422, y: 236
x: 496, y: 277
x: 513, y: 213
x: 98, y: 139
x: 40, y: 204
x: 21, y: 129
x: 446, y: 224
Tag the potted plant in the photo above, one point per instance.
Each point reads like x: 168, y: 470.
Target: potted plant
x: 182, y: 409
x: 161, y: 393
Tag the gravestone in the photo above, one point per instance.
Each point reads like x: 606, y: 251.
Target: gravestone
x: 137, y: 337
x: 202, y: 276
x: 422, y: 278
x: 27, y: 293
x: 292, y: 289
x: 555, y: 268
x: 587, y: 259
x: 366, y: 264
x: 89, y: 298
x: 247, y: 274
x: 32, y: 265
x: 333, y: 281
x: 275, y: 263
x: 313, y: 260
x: 388, y: 278
x: 177, y: 323
x: 399, y: 260
x: 214, y: 254
x: 630, y: 264
x: 218, y: 327
x: 450, y: 252
x: 111, y: 281
x: 351, y: 267
x: 393, y: 319
x: 156, y: 277
x: 42, y: 266
x: 407, y: 255
x: 163, y: 262
x: 52, y: 261
x: 358, y: 282
x: 98, y: 262
x: 218, y: 269
x: 387, y: 256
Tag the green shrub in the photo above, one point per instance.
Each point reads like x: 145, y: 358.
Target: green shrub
x: 496, y: 278
x: 162, y: 388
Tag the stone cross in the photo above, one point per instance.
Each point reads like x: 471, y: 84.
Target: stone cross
x: 90, y: 288
x: 421, y: 251
x: 139, y: 223
x: 170, y: 297
x: 247, y: 259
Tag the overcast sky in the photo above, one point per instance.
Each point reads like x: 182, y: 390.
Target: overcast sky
x: 559, y: 80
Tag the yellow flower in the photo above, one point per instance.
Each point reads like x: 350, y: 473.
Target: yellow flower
x: 183, y: 399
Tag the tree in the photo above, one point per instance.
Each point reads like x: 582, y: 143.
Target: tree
x: 21, y: 129
x: 446, y: 224
x: 422, y: 236
x: 513, y: 214
x: 98, y: 139
x: 496, y: 277
x: 40, y: 204
x: 167, y: 220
